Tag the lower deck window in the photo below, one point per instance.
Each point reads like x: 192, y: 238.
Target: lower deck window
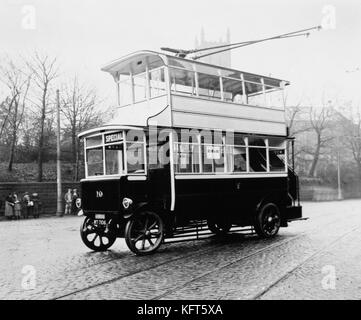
x: 258, y: 159
x: 135, y: 158
x: 276, y: 160
x: 236, y: 159
x: 113, y: 159
x: 187, y: 158
x: 94, y: 159
x: 243, y: 155
x: 109, y: 157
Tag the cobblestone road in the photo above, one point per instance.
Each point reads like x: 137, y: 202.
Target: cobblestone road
x: 315, y: 259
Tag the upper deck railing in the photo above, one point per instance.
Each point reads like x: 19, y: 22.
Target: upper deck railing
x: 146, y: 75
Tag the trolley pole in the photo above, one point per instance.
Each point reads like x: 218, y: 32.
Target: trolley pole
x: 59, y: 209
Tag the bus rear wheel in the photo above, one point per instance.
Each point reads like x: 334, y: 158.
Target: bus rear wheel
x: 97, y: 237
x: 218, y: 228
x: 268, y: 221
x: 144, y: 233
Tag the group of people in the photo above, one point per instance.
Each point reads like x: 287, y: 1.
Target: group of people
x: 30, y: 205
x: 71, y: 198
x: 16, y: 208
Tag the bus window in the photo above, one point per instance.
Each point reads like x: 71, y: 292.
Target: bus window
x: 257, y: 155
x: 186, y: 157
x: 276, y: 159
x: 94, y: 158
x: 125, y: 92
x: 114, y: 159
x: 140, y: 93
x: 236, y: 159
x: 182, y: 81
x: 135, y: 157
x: 274, y: 98
x: 209, y: 86
x: 255, y: 94
x: 94, y: 141
x: 277, y: 154
x: 157, y: 82
x: 213, y: 158
x: 232, y: 90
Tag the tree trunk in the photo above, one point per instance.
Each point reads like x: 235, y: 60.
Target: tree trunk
x: 77, y: 163
x: 12, y: 151
x: 14, y: 138
x: 74, y: 152
x: 315, y: 157
x: 40, y: 154
x: 41, y: 139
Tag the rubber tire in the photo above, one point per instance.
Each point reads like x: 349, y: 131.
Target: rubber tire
x: 128, y: 230
x: 260, y: 216
x: 90, y: 244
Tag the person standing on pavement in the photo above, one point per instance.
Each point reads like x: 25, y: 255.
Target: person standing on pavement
x: 68, y: 201
x: 26, y: 202
x: 74, y: 209
x: 17, y: 207
x: 36, y: 201
x: 9, y: 207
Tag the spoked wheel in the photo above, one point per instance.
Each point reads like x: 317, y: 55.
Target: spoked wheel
x: 144, y: 233
x: 219, y: 228
x: 96, y: 236
x: 268, y: 221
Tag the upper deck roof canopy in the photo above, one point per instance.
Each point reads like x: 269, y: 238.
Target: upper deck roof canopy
x: 137, y: 62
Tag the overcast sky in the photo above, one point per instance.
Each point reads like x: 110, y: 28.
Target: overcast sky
x: 86, y: 34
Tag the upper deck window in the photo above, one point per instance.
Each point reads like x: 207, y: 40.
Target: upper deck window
x: 212, y: 82
x: 145, y: 77
x: 182, y: 81
x: 157, y: 82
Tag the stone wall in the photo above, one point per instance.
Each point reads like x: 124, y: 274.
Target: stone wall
x: 46, y: 190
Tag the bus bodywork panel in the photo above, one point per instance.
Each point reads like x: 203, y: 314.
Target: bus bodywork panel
x: 235, y: 200
x: 199, y: 113
x: 142, y: 113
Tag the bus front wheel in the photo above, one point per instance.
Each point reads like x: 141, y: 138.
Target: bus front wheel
x: 144, y: 233
x: 268, y: 221
x: 97, y: 236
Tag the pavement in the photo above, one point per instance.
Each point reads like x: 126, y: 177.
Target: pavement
x: 319, y: 258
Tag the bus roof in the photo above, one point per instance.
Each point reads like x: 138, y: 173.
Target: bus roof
x: 135, y: 63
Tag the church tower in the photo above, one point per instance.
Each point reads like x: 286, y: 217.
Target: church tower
x: 222, y: 59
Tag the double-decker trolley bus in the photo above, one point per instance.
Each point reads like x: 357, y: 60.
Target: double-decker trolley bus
x: 189, y: 144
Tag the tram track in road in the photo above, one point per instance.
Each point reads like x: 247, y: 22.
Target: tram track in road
x: 300, y: 265
x: 186, y: 256
x: 197, y: 253
x: 257, y: 252
x: 207, y: 237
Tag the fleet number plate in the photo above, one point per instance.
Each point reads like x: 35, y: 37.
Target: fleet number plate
x: 100, y: 216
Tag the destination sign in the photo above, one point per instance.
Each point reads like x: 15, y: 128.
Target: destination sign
x: 213, y: 152
x: 113, y: 137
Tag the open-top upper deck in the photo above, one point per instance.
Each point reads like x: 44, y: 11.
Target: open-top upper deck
x: 178, y: 92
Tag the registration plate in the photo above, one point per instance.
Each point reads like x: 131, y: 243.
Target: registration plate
x: 100, y: 216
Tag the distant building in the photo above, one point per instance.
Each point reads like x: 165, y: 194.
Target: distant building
x: 221, y: 59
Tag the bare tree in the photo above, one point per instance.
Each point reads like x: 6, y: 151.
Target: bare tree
x: 18, y: 85
x: 44, y: 71
x: 79, y: 110
x: 351, y: 128
x: 319, y: 119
